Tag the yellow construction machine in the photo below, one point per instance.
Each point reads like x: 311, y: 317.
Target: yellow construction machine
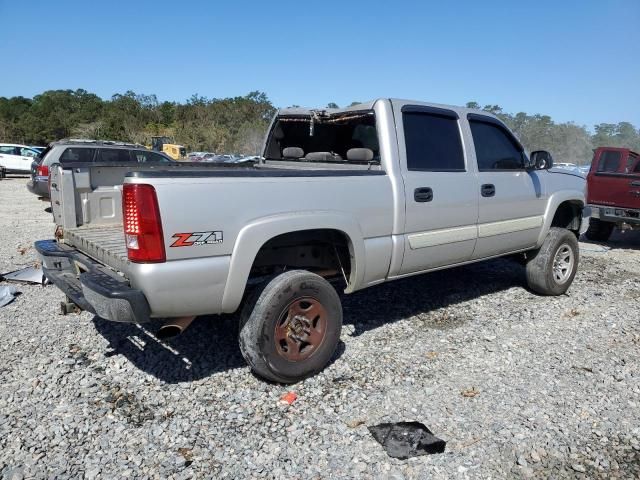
x: 166, y: 145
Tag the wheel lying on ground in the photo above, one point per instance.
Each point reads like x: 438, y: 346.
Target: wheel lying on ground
x: 551, y: 269
x: 598, y: 230
x: 290, y: 326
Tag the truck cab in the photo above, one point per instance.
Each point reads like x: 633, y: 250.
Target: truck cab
x: 613, y: 192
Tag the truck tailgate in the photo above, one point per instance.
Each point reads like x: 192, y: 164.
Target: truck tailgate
x: 105, y: 243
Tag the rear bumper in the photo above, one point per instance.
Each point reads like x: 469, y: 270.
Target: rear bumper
x: 38, y: 187
x: 91, y: 286
x: 616, y: 214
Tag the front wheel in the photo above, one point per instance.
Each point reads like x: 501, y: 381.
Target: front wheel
x: 290, y: 326
x: 551, y: 269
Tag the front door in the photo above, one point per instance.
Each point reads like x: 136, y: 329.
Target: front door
x: 441, y: 194
x: 9, y: 158
x: 511, y: 199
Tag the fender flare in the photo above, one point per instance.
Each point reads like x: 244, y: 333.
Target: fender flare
x: 555, y: 200
x: 259, y: 231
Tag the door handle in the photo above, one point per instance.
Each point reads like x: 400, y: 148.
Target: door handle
x: 635, y: 184
x: 488, y: 190
x: 423, y: 194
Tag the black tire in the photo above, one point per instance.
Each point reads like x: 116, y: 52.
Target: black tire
x: 545, y: 272
x: 598, y: 230
x: 270, y: 334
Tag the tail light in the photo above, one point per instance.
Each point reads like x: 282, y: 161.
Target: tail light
x: 42, y: 171
x: 142, y: 224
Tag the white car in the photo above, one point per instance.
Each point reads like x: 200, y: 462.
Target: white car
x: 17, y: 158
x: 567, y: 165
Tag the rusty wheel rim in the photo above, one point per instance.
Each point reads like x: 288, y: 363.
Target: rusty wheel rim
x: 301, y: 329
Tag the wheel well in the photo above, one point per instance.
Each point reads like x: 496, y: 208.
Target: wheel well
x: 326, y: 252
x: 568, y: 215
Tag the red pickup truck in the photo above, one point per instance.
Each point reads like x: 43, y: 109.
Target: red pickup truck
x: 613, y: 191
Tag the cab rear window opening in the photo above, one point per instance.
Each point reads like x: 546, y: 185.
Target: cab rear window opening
x: 349, y: 137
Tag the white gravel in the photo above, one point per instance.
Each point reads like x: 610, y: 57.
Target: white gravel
x: 517, y: 384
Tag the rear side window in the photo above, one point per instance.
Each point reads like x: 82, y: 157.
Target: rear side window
x: 609, y: 161
x: 142, y: 156
x: 28, y: 152
x: 432, y: 142
x: 113, y: 155
x: 77, y: 155
x: 495, y: 149
x: 8, y: 150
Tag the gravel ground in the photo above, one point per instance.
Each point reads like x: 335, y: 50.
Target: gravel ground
x: 518, y: 385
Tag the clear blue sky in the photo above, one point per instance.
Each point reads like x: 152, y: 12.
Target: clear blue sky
x: 573, y: 59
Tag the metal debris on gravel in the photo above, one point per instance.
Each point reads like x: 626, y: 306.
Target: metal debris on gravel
x: 559, y: 379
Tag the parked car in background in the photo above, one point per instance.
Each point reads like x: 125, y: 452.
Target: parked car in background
x: 39, y: 149
x: 195, y: 156
x: 17, y: 158
x: 67, y: 152
x: 567, y: 165
x: 208, y: 157
x: 584, y: 169
x: 613, y: 192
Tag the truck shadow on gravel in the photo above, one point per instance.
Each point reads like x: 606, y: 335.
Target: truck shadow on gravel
x: 425, y: 294
x: 210, y: 344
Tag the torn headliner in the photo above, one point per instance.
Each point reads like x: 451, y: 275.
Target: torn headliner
x: 329, y: 111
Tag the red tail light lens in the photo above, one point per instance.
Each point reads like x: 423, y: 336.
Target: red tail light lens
x: 42, y: 171
x: 142, y: 224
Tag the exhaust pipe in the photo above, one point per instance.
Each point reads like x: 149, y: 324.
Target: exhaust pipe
x: 174, y: 327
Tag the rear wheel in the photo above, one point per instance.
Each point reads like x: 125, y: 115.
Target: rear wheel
x: 290, y: 326
x: 551, y: 269
x: 598, y: 230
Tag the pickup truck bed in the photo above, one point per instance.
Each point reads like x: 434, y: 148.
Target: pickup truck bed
x: 105, y: 243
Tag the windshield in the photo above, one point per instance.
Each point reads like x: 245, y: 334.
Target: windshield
x: 348, y: 137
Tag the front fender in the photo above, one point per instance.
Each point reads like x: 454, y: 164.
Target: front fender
x: 254, y: 235
x: 555, y: 200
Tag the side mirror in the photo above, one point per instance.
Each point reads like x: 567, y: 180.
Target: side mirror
x: 540, y: 160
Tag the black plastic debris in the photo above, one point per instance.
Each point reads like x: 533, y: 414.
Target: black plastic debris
x: 404, y: 440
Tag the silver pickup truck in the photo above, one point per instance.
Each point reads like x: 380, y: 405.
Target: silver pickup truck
x: 342, y: 197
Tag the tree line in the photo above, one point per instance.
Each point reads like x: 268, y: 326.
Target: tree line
x: 238, y: 124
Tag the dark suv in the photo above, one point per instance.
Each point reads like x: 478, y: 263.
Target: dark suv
x: 68, y: 152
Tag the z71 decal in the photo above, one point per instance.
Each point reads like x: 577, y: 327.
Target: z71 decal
x: 196, y: 238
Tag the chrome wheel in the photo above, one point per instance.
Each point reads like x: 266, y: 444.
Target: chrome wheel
x: 563, y: 263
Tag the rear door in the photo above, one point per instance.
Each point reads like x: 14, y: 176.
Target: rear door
x: 511, y: 200
x: 441, y: 191
x: 614, y: 178
x: 26, y: 158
